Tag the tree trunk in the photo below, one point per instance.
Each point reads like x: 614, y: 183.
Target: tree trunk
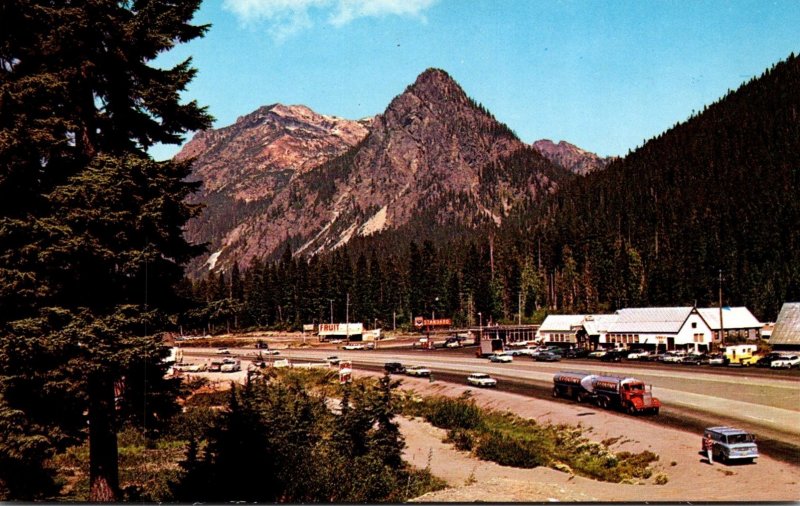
x: 103, y: 464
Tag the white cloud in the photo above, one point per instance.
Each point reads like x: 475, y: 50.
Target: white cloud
x: 348, y: 10
x: 288, y: 17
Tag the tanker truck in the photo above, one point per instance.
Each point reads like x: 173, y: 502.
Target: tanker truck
x: 615, y: 392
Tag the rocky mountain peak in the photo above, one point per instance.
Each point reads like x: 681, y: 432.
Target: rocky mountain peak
x: 435, y: 156
x: 571, y: 157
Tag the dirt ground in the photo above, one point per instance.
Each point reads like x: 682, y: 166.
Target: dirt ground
x: 690, y: 476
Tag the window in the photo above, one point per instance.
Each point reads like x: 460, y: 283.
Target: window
x: 694, y: 325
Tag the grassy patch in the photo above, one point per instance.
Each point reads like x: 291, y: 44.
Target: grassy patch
x: 510, y: 440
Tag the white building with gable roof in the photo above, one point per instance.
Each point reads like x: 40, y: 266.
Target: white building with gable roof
x: 560, y: 328
x: 738, y: 322
x: 661, y: 328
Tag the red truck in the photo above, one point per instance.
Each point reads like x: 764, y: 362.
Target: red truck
x: 625, y: 393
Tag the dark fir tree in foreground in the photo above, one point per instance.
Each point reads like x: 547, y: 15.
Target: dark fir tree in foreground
x: 90, y: 228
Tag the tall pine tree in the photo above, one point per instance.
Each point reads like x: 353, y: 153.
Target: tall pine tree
x: 91, y: 241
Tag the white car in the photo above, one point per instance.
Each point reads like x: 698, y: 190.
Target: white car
x: 480, y: 379
x: 223, y: 351
x: 418, y: 370
x: 597, y: 353
x: 518, y: 343
x: 530, y: 352
x: 353, y: 347
x: 271, y: 352
x: 786, y: 362
x: 230, y: 365
x: 281, y: 363
x: 638, y: 355
x: 674, y: 357
x: 501, y: 358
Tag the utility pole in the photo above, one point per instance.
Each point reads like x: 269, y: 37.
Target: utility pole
x: 519, y: 308
x: 721, y: 326
x: 331, y: 301
x: 347, y: 315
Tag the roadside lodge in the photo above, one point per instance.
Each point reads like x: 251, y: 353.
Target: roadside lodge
x: 660, y: 329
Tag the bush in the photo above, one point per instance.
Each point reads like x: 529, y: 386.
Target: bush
x: 461, y: 439
x: 449, y: 413
x: 510, y: 440
x: 507, y: 450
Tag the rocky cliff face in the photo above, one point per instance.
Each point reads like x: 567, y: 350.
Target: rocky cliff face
x: 571, y: 157
x: 245, y: 165
x: 434, y: 157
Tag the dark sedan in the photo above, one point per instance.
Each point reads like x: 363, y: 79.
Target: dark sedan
x: 693, y: 360
x: 576, y: 353
x: 766, y: 361
x: 613, y: 356
x: 547, y: 356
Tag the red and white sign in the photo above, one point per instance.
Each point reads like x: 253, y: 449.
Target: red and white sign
x: 418, y: 321
x: 345, y: 371
x: 340, y: 329
x: 438, y: 322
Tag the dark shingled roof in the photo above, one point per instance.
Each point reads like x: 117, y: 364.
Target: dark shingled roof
x: 787, y: 326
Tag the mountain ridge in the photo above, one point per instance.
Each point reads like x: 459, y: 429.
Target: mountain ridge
x: 433, y: 152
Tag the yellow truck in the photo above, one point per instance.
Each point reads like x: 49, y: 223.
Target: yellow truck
x: 743, y: 355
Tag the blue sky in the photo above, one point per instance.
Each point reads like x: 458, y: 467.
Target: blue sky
x: 605, y: 76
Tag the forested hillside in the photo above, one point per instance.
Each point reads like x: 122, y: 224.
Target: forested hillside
x: 717, y: 192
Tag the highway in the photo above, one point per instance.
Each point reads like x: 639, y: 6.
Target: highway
x: 759, y: 400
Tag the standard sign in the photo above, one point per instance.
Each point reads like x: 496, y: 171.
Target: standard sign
x: 438, y: 322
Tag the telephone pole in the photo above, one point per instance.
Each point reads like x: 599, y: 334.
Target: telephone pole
x: 721, y: 326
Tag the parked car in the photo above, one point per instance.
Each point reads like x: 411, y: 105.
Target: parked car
x: 480, y: 379
x: 717, y: 359
x: 655, y: 357
x: 281, y: 363
x: 500, y: 358
x: 230, y: 365
x: 518, y: 343
x: 529, y: 352
x: 336, y: 341
x: 452, y: 342
x: 353, y: 347
x: 576, y: 353
x: 215, y: 366
x: 613, y: 356
x: 223, y: 351
x: 694, y: 359
x: 547, y: 356
x: 394, y: 368
x: 767, y: 359
x: 786, y: 362
x: 418, y: 370
x: 597, y: 353
x: 732, y: 444
x: 333, y: 360
x: 673, y: 357
x: 638, y: 355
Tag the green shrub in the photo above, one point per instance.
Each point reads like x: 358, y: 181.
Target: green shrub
x: 461, y: 439
x: 512, y: 451
x: 449, y: 413
x: 662, y: 479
